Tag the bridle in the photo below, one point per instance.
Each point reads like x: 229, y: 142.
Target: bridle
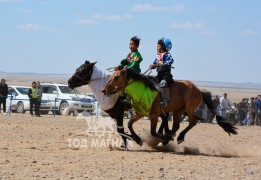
x: 124, y: 84
x: 87, y: 81
x: 117, y: 89
x: 84, y: 81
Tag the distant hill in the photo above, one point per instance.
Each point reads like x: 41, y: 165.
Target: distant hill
x: 246, y: 85
x: 62, y: 78
x: 31, y: 74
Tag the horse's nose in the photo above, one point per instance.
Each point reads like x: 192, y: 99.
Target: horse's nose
x: 70, y: 84
x: 104, y: 91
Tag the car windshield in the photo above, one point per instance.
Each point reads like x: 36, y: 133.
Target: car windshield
x: 23, y: 90
x: 67, y: 90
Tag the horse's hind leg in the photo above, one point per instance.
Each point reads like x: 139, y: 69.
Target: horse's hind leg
x: 192, y: 122
x: 135, y: 137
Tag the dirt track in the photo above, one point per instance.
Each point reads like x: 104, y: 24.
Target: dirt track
x: 36, y: 148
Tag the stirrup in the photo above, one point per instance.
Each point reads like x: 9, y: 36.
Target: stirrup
x: 163, y: 103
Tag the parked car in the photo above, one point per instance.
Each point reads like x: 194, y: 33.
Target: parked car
x: 61, y: 97
x: 20, y: 100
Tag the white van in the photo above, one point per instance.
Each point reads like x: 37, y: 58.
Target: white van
x: 61, y: 97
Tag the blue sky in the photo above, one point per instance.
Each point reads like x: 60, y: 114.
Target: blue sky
x: 212, y: 40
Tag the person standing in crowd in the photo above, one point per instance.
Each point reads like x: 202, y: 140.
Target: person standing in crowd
x: 242, y: 109
x: 224, y: 105
x: 236, y: 115
x: 39, y: 93
x: 32, y: 93
x: 216, y: 105
x: 258, y: 106
x: 252, y: 107
x: 3, y: 94
x: 216, y: 102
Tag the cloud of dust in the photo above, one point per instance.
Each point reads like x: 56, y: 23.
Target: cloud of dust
x: 224, y: 150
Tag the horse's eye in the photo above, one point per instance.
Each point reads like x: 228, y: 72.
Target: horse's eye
x: 116, y: 77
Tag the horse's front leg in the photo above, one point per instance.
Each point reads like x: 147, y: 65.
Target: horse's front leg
x: 153, y: 127
x: 135, y: 137
x: 164, y: 124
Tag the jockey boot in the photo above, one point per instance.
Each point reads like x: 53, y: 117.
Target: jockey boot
x: 164, y: 96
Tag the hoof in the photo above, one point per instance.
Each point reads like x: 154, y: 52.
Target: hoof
x: 140, y: 143
x: 172, y: 138
x: 161, y: 145
x: 124, y: 146
x: 180, y: 141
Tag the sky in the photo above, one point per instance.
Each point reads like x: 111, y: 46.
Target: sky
x: 213, y: 40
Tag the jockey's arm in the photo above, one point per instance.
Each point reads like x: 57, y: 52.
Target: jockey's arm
x: 167, y: 60
x: 136, y: 61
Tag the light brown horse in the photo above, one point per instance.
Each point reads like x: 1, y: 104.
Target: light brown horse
x: 185, y: 97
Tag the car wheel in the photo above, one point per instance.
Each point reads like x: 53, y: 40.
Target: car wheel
x: 20, y: 108
x: 63, y: 106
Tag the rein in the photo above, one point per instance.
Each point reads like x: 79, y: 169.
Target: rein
x: 89, y: 80
x: 124, y: 83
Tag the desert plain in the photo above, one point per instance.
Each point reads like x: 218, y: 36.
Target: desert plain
x: 63, y: 147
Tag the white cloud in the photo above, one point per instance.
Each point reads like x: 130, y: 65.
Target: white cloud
x: 86, y: 21
x: 188, y: 25
x: 30, y: 27
x: 118, y: 17
x: 35, y: 27
x: 212, y: 9
x: 11, y: 1
x: 248, y: 32
x: 148, y: 7
x: 207, y: 33
x: 26, y: 11
x: 95, y: 19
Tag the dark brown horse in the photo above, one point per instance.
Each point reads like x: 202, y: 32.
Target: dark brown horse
x: 185, y: 97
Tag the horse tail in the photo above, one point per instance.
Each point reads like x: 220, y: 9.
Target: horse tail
x: 221, y: 121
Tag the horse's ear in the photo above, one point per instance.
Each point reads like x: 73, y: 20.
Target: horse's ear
x: 87, y: 62
x: 92, y: 64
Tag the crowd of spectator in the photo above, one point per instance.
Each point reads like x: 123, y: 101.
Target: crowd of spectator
x: 246, y: 112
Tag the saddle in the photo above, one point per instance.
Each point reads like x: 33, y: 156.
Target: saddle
x: 156, y: 83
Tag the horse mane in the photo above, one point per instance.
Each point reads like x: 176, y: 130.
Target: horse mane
x: 146, y: 80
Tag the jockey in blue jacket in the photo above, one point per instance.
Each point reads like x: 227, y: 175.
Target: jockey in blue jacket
x: 163, y: 62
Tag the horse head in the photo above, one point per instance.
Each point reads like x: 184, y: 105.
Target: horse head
x: 116, y: 83
x: 82, y: 75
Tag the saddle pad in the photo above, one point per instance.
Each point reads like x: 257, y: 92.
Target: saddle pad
x: 142, y: 97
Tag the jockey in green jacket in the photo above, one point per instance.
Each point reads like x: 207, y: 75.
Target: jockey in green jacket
x: 134, y: 58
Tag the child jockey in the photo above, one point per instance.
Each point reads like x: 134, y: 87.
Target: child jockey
x: 163, y: 62
x: 134, y: 58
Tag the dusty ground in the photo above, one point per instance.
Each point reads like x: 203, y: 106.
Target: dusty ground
x: 60, y: 148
